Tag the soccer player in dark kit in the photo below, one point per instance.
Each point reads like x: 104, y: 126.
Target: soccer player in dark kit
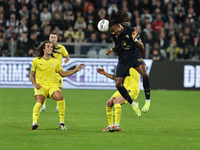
x: 127, y: 46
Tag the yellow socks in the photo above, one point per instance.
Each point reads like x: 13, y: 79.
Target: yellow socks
x: 118, y: 112
x: 109, y: 113
x: 45, y: 101
x: 36, y: 111
x: 61, y: 110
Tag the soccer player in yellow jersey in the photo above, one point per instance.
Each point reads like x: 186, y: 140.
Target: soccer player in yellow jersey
x: 62, y: 52
x: 43, y: 77
x: 131, y: 83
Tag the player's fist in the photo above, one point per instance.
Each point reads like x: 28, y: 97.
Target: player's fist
x: 79, y: 67
x: 135, y: 33
x: 37, y: 86
x: 101, y: 71
x: 108, y: 52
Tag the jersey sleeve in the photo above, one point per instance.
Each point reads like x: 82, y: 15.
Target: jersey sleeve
x: 58, y: 66
x: 64, y: 51
x: 33, y: 67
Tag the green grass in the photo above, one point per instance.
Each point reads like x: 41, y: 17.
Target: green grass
x: 172, y: 122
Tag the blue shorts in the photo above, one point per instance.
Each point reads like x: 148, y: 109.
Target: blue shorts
x: 123, y: 67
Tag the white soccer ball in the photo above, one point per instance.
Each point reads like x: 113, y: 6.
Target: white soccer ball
x: 103, y: 25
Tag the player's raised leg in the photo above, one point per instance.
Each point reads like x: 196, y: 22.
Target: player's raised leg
x: 36, y: 110
x: 58, y: 96
x: 109, y: 114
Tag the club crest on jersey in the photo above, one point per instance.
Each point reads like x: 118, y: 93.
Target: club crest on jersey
x: 127, y: 36
x: 52, y: 64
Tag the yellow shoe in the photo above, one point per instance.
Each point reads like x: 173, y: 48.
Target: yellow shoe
x: 146, y: 106
x: 137, y: 110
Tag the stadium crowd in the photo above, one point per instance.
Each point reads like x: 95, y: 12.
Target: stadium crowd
x: 167, y: 27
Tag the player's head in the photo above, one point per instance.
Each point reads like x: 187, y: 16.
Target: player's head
x: 116, y: 22
x: 46, y: 46
x: 53, y: 37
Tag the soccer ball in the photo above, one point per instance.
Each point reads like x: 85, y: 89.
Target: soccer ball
x: 103, y: 25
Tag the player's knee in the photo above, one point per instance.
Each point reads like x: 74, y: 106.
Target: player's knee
x: 109, y: 104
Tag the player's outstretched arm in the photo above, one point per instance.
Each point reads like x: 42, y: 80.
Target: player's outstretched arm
x: 109, y: 51
x: 138, y: 42
x: 32, y: 78
x: 102, y: 72
x: 70, y: 72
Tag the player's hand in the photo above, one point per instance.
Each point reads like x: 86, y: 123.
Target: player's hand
x: 108, y: 52
x: 101, y: 71
x: 37, y: 86
x: 80, y: 67
x: 135, y: 33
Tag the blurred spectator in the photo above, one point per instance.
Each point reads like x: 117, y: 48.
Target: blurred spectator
x: 32, y: 4
x: 186, y: 53
x: 68, y: 22
x: 155, y: 56
x: 70, y: 48
x: 135, y: 6
x: 33, y: 20
x: 68, y: 32
x: 23, y: 45
x: 31, y: 53
x: 67, y: 5
x: 56, y: 5
x: 69, y: 13
x: 23, y: 22
x: 79, y: 32
x: 61, y: 38
x: 178, y: 8
x: 5, y: 51
x: 24, y: 12
x: 162, y: 40
x: 87, y: 5
x: 12, y: 46
x: 35, y: 29
x: 173, y: 49
x: 90, y: 29
x: 158, y: 5
x: 20, y: 29
x: 78, y: 5
x: 57, y: 30
x: 146, y: 5
x: 45, y: 4
x: 103, y: 4
x: 146, y: 14
x: 2, y: 20
x: 102, y: 14
x: 33, y: 41
x: 57, y: 21
x: 180, y: 17
x: 80, y: 23
x: 158, y: 23
x: 150, y: 41
x: 10, y: 32
x: 12, y: 21
x: 93, y: 39
x: 45, y: 15
x: 112, y: 7
x: 104, y: 39
x: 12, y: 10
x: 46, y: 33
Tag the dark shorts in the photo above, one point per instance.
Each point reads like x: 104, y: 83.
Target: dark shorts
x: 123, y: 67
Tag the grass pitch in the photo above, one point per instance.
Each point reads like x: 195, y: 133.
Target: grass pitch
x: 172, y: 122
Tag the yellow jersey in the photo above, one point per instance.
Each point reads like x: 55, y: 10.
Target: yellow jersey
x: 45, y: 70
x: 132, y: 80
x: 62, y: 52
